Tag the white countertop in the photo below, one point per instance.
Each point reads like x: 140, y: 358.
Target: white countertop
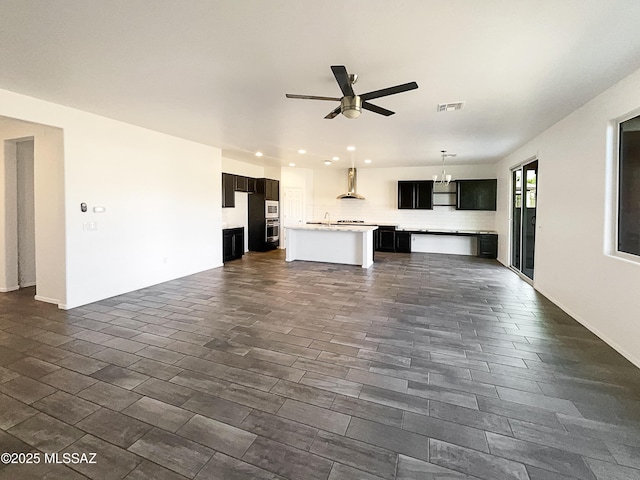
x: 334, y: 227
x: 441, y: 230
x: 230, y: 226
x: 348, y: 224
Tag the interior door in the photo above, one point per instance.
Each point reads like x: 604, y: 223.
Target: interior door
x: 523, y: 223
x: 292, y: 210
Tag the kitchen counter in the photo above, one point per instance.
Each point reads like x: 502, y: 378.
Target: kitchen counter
x: 365, y: 224
x: 483, y: 243
x: 437, y: 231
x: 342, y: 227
x: 344, y: 244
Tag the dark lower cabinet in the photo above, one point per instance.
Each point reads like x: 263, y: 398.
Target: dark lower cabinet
x: 403, y: 242
x: 385, y: 240
x: 488, y: 246
x: 232, y: 244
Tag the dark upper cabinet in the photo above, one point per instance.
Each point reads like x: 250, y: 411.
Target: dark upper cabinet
x: 228, y: 190
x: 415, y: 194
x: 424, y: 194
x: 251, y: 185
x: 405, y: 194
x: 269, y: 188
x: 242, y: 184
x: 272, y: 190
x: 477, y: 194
x: 236, y: 183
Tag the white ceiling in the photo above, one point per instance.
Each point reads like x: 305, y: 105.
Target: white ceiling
x: 216, y: 72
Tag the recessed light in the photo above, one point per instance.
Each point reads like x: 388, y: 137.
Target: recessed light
x: 327, y: 162
x: 302, y: 151
x: 259, y: 154
x: 292, y: 164
x: 335, y: 159
x: 351, y: 148
x: 367, y: 161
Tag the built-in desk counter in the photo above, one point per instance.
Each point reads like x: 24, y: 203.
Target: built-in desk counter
x: 483, y: 243
x: 346, y: 244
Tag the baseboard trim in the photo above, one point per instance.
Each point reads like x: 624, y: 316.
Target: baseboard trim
x: 40, y: 298
x: 605, y: 338
x: 30, y: 284
x: 597, y: 332
x: 9, y: 289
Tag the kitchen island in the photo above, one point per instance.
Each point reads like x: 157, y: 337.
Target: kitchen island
x: 350, y: 245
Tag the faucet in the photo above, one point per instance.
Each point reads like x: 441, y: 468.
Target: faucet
x: 327, y: 216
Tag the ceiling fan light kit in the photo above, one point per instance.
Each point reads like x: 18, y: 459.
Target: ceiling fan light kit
x: 351, y: 105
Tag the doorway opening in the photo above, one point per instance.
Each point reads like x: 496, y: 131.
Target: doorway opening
x: 524, y: 184
x: 20, y: 238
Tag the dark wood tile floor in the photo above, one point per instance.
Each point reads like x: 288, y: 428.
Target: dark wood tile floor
x: 422, y: 367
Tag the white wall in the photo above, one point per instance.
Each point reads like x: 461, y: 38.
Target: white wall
x: 162, y: 197
x: 379, y: 186
x: 48, y: 204
x: 571, y: 265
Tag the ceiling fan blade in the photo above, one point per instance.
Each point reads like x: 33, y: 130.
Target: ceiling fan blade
x: 334, y: 113
x: 389, y: 91
x: 342, y: 77
x: 374, y: 108
x: 311, y: 97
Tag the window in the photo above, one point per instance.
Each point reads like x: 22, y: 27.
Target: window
x: 629, y: 187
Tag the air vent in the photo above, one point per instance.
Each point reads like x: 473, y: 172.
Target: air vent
x: 448, y: 107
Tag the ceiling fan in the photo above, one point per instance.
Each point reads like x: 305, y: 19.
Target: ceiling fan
x: 351, y: 105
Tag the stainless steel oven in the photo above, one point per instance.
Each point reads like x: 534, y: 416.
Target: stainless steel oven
x: 272, y: 230
x: 271, y: 209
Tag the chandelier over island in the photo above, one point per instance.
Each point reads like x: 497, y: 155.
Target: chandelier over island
x: 444, y: 179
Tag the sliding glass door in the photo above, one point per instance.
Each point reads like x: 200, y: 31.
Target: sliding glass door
x: 523, y: 221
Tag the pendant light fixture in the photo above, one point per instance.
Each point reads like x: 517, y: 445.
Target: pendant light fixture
x: 444, y: 179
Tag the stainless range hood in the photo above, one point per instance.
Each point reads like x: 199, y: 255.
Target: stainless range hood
x: 351, y: 186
